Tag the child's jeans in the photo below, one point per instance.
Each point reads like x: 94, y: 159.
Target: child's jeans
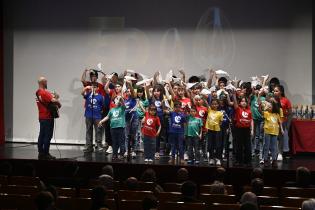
x: 118, y: 138
x: 177, y: 142
x: 193, y: 147
x: 270, y: 144
x: 149, y: 144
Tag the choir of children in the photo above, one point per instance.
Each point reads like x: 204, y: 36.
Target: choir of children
x: 193, y: 118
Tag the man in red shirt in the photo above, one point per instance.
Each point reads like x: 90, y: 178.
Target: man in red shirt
x: 46, y: 121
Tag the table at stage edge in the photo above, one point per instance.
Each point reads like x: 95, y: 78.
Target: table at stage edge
x: 302, y: 135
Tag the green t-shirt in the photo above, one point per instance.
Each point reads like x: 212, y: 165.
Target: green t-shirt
x: 254, y: 107
x: 194, y: 125
x: 145, y: 104
x: 117, y: 117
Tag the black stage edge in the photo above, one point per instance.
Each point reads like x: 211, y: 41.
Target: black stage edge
x: 90, y: 166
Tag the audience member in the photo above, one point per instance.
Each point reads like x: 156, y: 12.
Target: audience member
x: 189, y: 192
x: 248, y: 197
x: 149, y: 202
x: 132, y: 183
x: 149, y: 175
x: 44, y: 201
x: 302, y: 178
x: 257, y: 173
x: 257, y: 185
x: 217, y: 188
x: 308, y: 204
x: 108, y: 170
x: 219, y: 175
x: 99, y: 197
x: 182, y: 175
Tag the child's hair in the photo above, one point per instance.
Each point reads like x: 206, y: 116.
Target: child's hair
x: 281, y: 89
x: 151, y: 107
x: 141, y: 90
x: 275, y: 107
x: 213, y: 100
x: 159, y: 88
x: 241, y: 98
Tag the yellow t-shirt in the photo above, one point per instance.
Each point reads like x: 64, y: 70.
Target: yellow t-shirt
x: 272, y: 121
x: 214, y: 120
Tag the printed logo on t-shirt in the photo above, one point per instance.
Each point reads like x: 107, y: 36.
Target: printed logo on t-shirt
x: 149, y: 121
x: 93, y: 101
x: 178, y: 119
x: 256, y: 104
x: 273, y: 119
x: 244, y: 114
x: 202, y: 113
x: 116, y: 113
x: 157, y: 103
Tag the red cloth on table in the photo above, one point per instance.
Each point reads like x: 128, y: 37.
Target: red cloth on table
x: 302, y: 135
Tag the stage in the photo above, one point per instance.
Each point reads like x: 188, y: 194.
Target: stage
x: 90, y: 165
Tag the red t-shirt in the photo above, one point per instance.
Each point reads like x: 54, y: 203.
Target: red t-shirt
x: 202, y: 112
x: 243, y: 117
x: 45, y: 97
x: 150, y: 125
x: 286, y: 106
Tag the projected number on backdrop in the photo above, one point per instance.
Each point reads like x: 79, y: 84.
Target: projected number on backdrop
x: 214, y: 42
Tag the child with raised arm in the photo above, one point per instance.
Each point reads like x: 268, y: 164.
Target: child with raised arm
x: 194, y: 134
x: 213, y: 124
x: 243, y: 130
x: 272, y: 125
x: 94, y: 103
x: 131, y: 119
x: 151, y: 128
x: 117, y: 118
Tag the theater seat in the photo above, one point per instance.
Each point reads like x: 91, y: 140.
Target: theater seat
x: 297, y: 192
x: 206, y: 189
x: 293, y: 201
x: 183, y: 206
x: 277, y: 208
x: 217, y: 198
x: 222, y: 206
x: 172, y: 187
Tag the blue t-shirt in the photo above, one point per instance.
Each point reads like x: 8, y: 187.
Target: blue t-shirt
x: 158, y: 105
x: 130, y: 104
x: 227, y: 115
x: 177, y: 121
x: 93, y: 111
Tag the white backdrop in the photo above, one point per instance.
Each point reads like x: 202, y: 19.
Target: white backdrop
x: 61, y: 55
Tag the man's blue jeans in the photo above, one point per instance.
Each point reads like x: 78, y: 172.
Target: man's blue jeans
x: 46, y: 131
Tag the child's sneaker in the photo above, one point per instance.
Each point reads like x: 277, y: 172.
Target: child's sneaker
x: 133, y: 155
x: 280, y: 158
x: 262, y: 161
x: 109, y: 150
x: 150, y: 161
x: 185, y: 156
x: 211, y: 162
x: 146, y: 160
x: 218, y: 162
